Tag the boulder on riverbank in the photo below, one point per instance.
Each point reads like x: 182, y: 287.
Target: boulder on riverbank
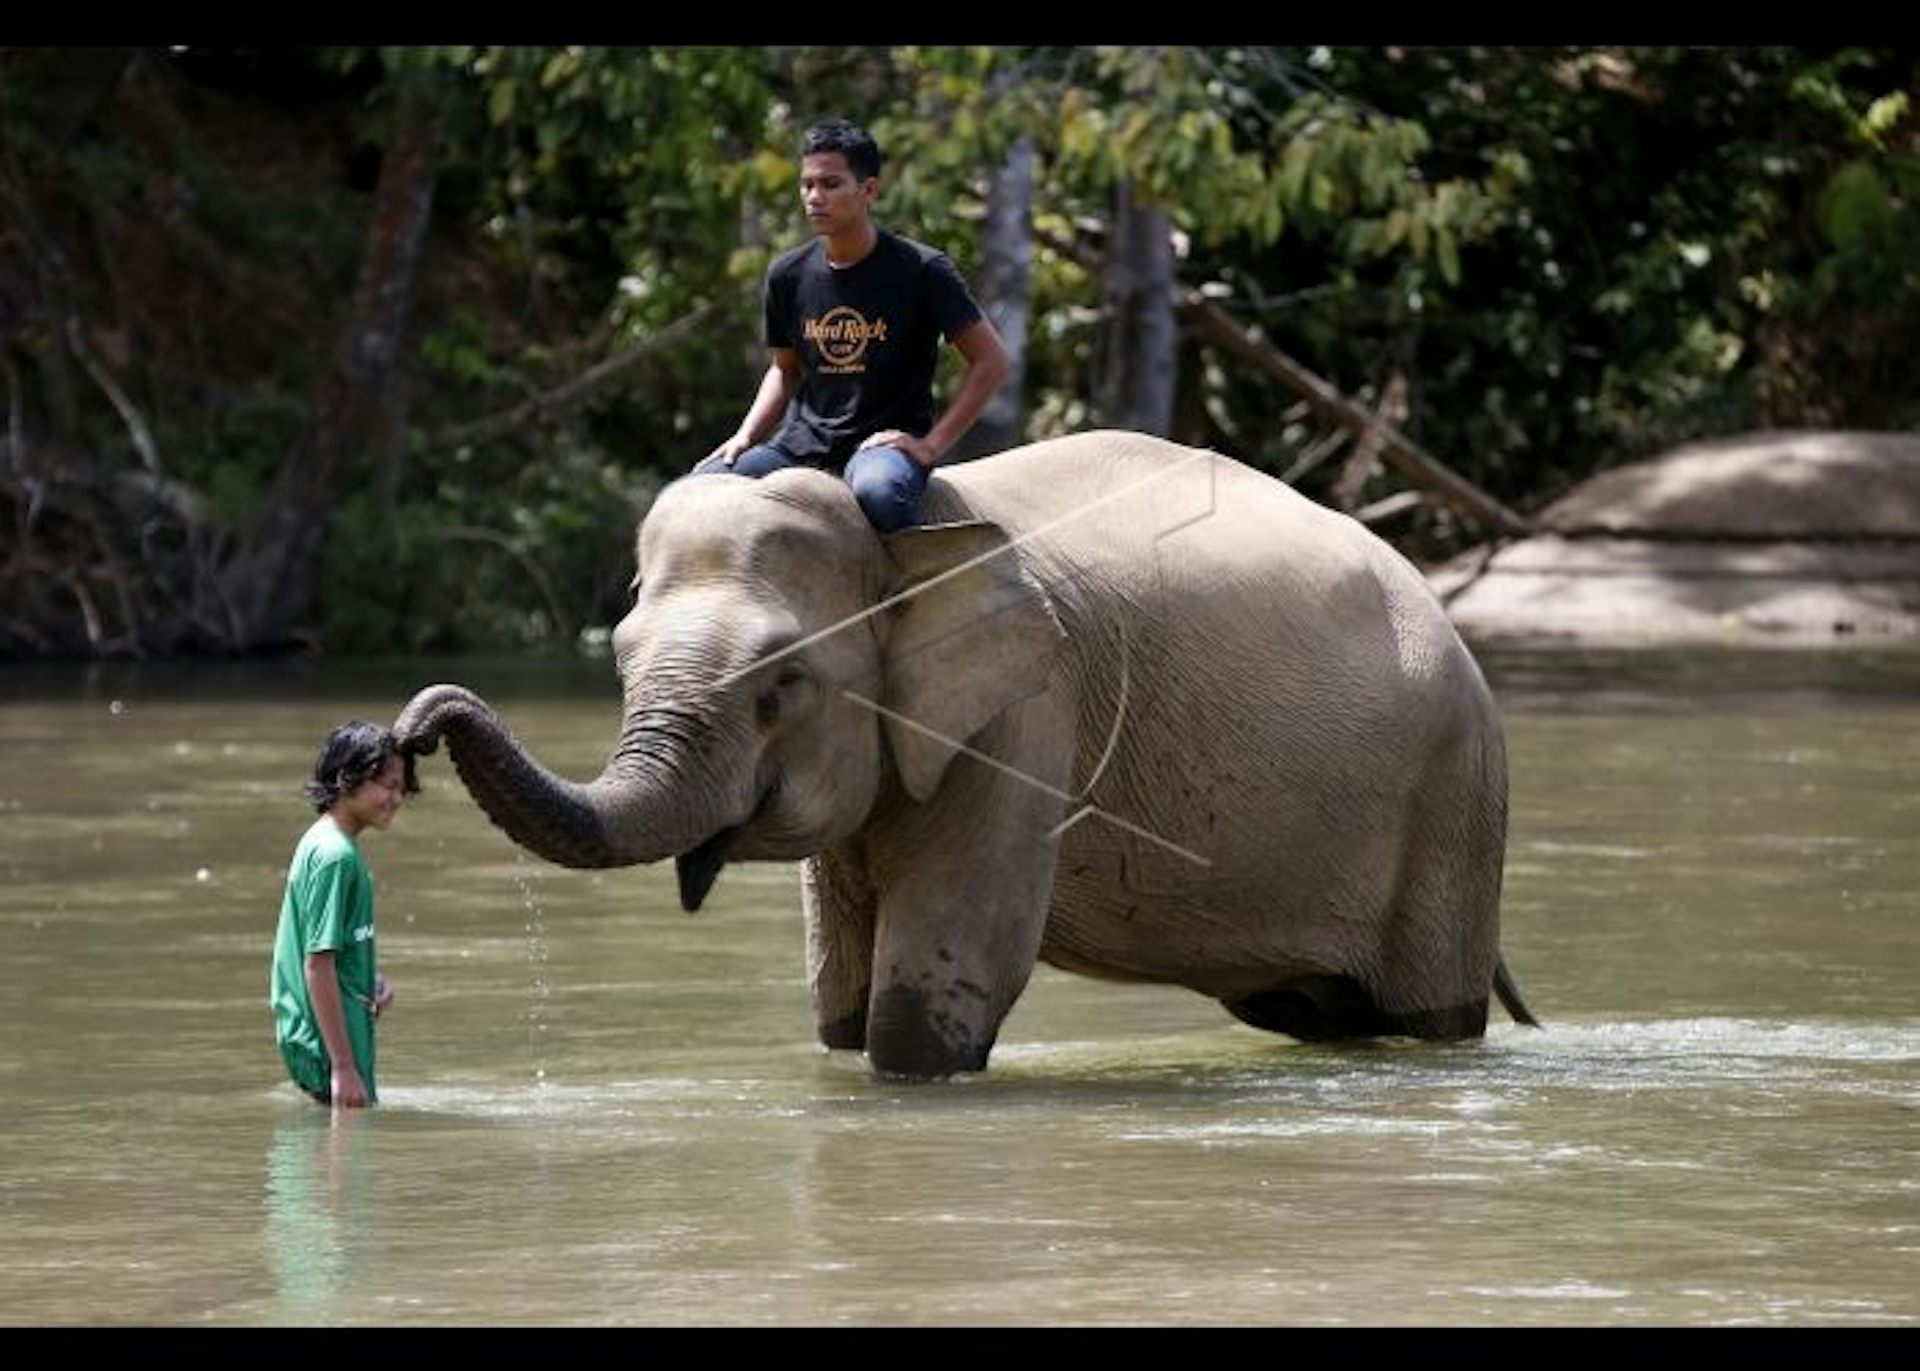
x: 1799, y: 537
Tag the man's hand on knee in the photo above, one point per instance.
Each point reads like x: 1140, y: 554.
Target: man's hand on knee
x: 915, y: 448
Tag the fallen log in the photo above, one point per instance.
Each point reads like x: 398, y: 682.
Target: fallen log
x: 1212, y: 324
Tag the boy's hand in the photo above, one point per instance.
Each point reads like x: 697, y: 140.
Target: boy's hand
x: 730, y: 449
x: 382, y: 993
x: 349, y: 1091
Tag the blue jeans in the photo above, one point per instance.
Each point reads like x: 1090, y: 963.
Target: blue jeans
x: 885, y: 480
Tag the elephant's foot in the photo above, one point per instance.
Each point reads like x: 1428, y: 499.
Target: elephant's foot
x: 1440, y: 1025
x: 849, y: 1032
x: 908, y: 1039
x: 1330, y: 1008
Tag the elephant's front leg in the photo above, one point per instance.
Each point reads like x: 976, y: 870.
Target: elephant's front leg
x: 839, y: 906
x: 964, y: 883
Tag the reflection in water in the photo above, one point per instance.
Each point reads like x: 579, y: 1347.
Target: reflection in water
x: 315, y: 1195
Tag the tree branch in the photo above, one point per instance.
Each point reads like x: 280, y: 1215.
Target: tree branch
x: 16, y: 463
x: 1365, y: 458
x: 566, y: 396
x: 129, y: 415
x: 561, y: 622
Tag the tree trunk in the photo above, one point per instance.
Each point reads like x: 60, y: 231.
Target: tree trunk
x: 1006, y: 290
x: 361, y: 417
x: 1136, y: 382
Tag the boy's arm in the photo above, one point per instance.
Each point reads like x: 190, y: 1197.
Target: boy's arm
x: 323, y: 990
x: 987, y: 366
x: 769, y: 403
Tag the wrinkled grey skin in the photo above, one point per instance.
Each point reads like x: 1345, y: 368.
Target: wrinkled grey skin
x: 1125, y: 707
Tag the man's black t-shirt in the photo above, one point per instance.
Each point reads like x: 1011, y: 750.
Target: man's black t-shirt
x: 868, y: 336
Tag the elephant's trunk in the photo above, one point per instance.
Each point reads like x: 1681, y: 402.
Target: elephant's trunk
x: 633, y: 812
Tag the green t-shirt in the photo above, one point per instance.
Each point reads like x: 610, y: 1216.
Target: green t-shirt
x: 328, y: 907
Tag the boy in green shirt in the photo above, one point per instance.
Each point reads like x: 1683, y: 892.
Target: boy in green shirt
x: 325, y: 991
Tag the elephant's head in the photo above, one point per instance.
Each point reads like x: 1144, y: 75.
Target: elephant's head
x: 779, y: 659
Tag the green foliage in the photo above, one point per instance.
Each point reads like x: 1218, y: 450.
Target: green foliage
x: 471, y: 565
x: 1662, y: 243
x: 459, y: 355
x: 1573, y: 255
x: 234, y: 452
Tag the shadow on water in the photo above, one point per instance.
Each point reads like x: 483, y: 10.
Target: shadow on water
x: 1690, y: 679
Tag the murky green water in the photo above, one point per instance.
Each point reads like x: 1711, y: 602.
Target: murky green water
x: 600, y: 1110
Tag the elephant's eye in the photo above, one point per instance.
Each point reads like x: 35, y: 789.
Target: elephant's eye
x: 780, y: 697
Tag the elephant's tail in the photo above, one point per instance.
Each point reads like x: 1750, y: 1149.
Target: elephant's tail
x: 1509, y: 993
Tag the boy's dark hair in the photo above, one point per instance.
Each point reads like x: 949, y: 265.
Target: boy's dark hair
x: 353, y: 752
x: 849, y: 140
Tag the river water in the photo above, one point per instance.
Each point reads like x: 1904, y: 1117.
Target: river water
x: 597, y: 1109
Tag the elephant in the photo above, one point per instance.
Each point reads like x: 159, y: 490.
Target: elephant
x: 1129, y: 708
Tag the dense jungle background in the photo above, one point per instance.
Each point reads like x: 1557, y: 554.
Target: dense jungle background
x: 365, y: 350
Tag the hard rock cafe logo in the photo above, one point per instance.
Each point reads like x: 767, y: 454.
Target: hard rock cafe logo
x: 842, y: 336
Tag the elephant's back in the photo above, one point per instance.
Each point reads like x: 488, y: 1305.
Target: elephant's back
x: 1089, y: 489
x: 1203, y: 541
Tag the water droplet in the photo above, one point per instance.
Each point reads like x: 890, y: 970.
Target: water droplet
x: 537, y: 955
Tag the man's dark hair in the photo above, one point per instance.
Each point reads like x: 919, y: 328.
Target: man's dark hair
x: 353, y: 752
x: 849, y: 140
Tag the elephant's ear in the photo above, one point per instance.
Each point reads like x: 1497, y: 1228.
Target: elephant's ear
x: 971, y: 634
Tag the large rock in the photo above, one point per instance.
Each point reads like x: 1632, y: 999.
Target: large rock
x: 1799, y: 537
